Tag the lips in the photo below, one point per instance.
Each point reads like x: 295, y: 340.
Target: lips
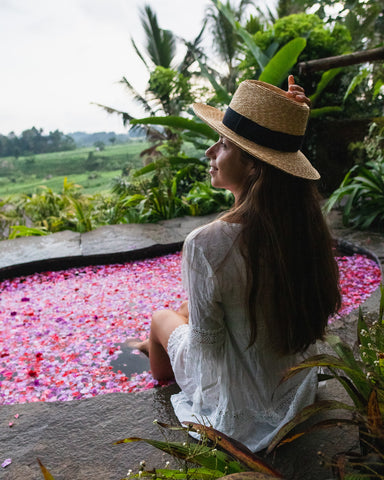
x: 213, y: 169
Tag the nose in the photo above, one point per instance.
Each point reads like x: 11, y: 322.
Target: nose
x: 210, y: 152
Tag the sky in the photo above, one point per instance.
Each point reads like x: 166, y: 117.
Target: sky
x: 59, y: 56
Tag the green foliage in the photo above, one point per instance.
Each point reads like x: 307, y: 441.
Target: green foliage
x: 204, y: 199
x: 363, y: 380
x: 159, y: 191
x: 23, y: 231
x: 277, y: 69
x: 215, y: 454
x: 181, y: 123
x: 363, y: 185
x: 322, y: 41
x: 171, y: 88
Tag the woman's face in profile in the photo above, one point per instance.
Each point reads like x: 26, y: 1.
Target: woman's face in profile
x: 228, y: 169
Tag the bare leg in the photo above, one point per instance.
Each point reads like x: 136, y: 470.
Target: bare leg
x: 163, y: 324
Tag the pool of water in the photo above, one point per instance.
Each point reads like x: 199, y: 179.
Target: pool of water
x: 62, y: 333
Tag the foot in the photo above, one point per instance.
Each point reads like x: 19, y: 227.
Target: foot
x: 136, y: 344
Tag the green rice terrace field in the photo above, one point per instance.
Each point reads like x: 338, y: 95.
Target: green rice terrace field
x: 89, y: 167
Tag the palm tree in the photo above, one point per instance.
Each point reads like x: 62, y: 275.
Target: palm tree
x: 160, y: 44
x: 226, y: 42
x: 168, y: 88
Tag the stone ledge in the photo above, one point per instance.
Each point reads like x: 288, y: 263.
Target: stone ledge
x: 108, y: 244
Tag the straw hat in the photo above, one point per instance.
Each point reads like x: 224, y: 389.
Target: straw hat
x: 266, y: 123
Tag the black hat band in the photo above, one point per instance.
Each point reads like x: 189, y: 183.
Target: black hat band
x: 251, y: 130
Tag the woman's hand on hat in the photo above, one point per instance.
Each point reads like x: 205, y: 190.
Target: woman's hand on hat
x: 296, y: 92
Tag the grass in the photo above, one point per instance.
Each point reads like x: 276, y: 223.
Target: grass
x: 91, y: 182
x: 88, y: 167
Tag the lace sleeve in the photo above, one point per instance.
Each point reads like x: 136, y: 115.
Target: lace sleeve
x: 201, y: 366
x: 204, y: 298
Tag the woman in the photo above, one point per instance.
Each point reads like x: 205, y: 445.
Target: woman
x: 261, y: 280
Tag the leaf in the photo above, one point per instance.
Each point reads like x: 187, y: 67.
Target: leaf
x: 375, y: 419
x: 191, y: 473
x: 377, y: 88
x: 322, y: 360
x: 195, y: 453
x: 325, y: 80
x: 278, y: 68
x: 332, y: 422
x: 256, y: 51
x: 305, y: 414
x: 178, y: 122
x: 23, y: 231
x: 235, y: 448
x: 324, y: 111
x: 250, y: 476
x: 356, y: 80
x: 46, y: 474
x: 221, y: 93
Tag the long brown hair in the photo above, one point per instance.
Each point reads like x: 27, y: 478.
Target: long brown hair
x: 292, y: 272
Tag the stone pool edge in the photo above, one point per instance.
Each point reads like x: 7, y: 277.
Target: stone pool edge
x: 107, y: 244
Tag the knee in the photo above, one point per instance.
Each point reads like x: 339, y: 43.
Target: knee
x: 158, y: 317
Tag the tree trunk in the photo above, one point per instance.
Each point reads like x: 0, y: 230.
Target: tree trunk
x: 341, y: 60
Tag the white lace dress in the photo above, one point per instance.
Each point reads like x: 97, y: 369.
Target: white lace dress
x: 224, y: 384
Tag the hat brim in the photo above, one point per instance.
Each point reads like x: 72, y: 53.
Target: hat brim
x: 294, y: 163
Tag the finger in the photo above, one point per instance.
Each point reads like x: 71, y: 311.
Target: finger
x: 291, y: 80
x: 296, y: 89
x: 303, y: 99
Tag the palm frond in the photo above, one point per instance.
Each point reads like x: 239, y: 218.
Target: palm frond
x: 136, y: 96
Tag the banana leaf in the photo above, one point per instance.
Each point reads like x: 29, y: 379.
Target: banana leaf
x: 279, y: 66
x: 182, y: 123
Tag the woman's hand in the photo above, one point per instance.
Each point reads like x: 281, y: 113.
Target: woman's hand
x: 296, y: 92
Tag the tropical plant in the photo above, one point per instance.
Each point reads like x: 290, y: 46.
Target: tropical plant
x: 169, y: 89
x: 215, y: 455
x: 363, y: 185
x: 225, y: 40
x: 204, y: 199
x: 50, y: 211
x: 17, y: 231
x: 322, y: 40
x: 363, y: 380
x: 158, y: 191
